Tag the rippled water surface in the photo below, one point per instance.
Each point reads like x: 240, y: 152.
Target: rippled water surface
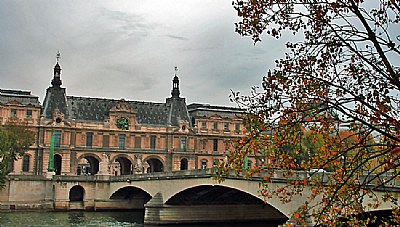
x: 81, y: 218
x: 72, y: 218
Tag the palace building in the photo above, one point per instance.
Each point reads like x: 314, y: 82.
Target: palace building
x: 118, y: 137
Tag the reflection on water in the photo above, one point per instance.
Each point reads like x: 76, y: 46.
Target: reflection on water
x: 71, y: 218
x: 102, y: 219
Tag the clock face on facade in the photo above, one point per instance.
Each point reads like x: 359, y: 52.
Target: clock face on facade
x: 122, y: 123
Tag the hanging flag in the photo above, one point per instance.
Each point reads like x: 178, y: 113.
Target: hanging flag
x: 50, y: 167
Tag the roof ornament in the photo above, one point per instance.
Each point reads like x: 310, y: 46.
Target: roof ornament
x: 58, y: 56
x: 176, y: 70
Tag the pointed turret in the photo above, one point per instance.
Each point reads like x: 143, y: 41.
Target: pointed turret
x: 175, y: 85
x: 56, y: 82
x: 56, y: 98
x: 178, y: 110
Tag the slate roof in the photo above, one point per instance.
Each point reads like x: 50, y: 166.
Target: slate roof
x: 97, y: 109
x: 197, y: 110
x: 23, y: 97
x: 55, y: 99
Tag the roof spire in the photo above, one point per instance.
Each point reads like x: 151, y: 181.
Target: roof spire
x: 175, y: 85
x: 56, y: 82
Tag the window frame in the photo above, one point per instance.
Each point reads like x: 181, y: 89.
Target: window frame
x: 29, y: 114
x: 153, y: 141
x: 215, y: 125
x: 57, y: 138
x: 215, y: 144
x: 226, y: 126
x: 89, y: 139
x: 26, y: 163
x: 13, y: 113
x: 121, y: 141
x: 183, y: 143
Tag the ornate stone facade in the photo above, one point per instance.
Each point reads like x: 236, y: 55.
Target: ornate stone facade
x: 119, y: 137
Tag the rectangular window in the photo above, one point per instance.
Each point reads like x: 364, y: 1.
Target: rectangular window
x: 203, y: 125
x: 29, y: 114
x: 25, y: 163
x: 226, y: 126
x: 237, y: 126
x: 13, y: 112
x: 215, y: 125
x: 138, y: 142
x: 122, y: 141
x: 89, y: 139
x: 215, y: 144
x: 153, y: 142
x: 204, y: 143
x: 183, y: 143
x: 106, y: 141
x: 57, y: 138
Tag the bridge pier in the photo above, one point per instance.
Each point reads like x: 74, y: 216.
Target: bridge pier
x: 158, y: 213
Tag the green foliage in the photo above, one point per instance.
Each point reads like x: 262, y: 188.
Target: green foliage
x: 330, y: 103
x: 15, y: 139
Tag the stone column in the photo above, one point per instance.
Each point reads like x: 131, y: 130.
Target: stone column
x: 104, y: 165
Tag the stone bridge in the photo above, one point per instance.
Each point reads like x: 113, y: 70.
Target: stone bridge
x: 174, y: 197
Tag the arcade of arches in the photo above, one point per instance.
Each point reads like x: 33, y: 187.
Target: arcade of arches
x: 91, y: 164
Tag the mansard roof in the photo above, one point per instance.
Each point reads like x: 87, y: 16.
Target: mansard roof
x: 23, y: 97
x: 198, y: 110
x: 148, y: 113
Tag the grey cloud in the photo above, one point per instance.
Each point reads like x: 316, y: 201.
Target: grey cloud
x: 177, y: 37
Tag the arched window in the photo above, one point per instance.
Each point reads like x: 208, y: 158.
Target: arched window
x: 204, y: 164
x: 184, y: 164
x: 25, y: 163
x: 57, y: 164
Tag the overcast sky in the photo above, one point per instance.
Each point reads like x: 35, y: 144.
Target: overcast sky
x: 128, y: 49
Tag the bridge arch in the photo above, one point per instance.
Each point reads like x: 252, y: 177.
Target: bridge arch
x: 216, y: 201
x: 88, y: 163
x: 212, y: 194
x: 154, y: 164
x: 124, y: 163
x: 76, y: 193
x: 131, y: 197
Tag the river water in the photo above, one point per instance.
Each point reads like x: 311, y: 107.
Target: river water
x: 82, y: 218
x: 71, y: 218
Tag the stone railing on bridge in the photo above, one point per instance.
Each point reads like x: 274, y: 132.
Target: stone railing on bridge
x: 385, y: 182
x: 139, y: 177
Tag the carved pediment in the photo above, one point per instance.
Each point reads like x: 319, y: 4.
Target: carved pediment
x: 122, y: 106
x: 122, y: 116
x: 14, y: 103
x: 215, y: 116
